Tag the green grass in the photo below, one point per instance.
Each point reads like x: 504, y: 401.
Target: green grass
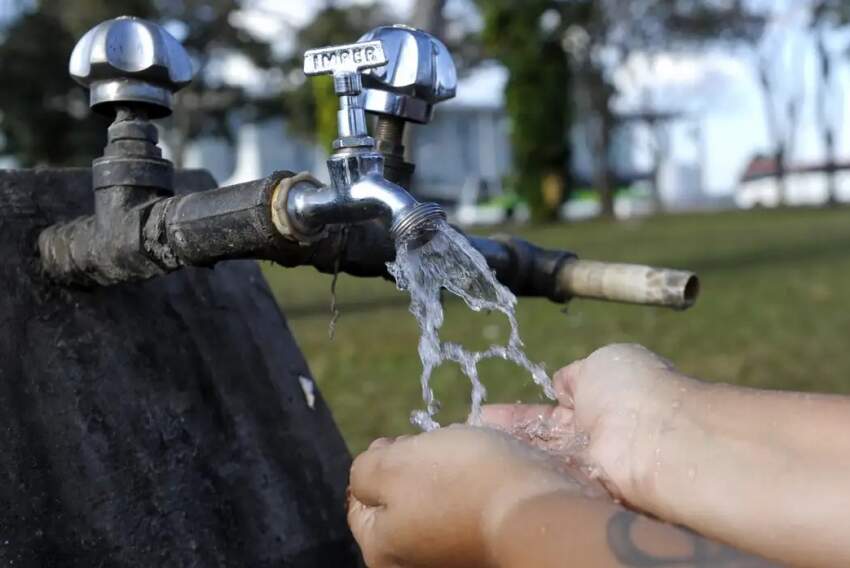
x: 773, y: 313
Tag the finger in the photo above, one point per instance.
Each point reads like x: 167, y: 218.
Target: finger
x: 511, y: 416
x: 363, y: 521
x: 565, y: 381
x: 367, y: 479
x: 381, y: 443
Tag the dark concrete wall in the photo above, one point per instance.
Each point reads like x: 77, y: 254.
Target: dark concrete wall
x: 155, y: 424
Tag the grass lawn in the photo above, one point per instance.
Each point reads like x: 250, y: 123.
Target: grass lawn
x: 773, y: 313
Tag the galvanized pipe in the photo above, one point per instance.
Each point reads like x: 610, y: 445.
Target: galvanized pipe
x: 628, y: 283
x: 528, y: 270
x: 203, y: 228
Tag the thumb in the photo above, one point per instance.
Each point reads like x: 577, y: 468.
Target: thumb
x: 566, y: 381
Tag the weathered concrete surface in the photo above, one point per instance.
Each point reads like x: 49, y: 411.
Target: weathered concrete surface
x: 159, y: 423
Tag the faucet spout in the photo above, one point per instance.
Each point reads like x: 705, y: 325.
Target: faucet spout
x: 383, y: 199
x: 359, y: 192
x: 403, y: 216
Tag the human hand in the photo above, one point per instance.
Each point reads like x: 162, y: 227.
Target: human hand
x: 438, y: 498
x: 612, y: 407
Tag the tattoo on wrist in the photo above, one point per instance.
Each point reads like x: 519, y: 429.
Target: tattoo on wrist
x: 704, y: 553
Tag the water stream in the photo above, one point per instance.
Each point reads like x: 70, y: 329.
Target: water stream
x: 448, y: 261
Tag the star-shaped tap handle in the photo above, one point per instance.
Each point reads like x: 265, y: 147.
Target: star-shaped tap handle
x: 419, y: 74
x: 132, y: 62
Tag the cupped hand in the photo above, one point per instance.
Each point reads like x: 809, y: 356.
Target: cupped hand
x: 612, y: 407
x: 437, y: 499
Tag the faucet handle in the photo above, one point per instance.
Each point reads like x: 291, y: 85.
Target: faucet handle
x: 420, y: 73
x: 128, y: 60
x: 345, y: 62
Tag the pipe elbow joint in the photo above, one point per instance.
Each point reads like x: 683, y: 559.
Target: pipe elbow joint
x: 404, y: 218
x: 305, y: 208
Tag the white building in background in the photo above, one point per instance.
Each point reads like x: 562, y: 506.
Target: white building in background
x: 805, y: 184
x: 682, y: 188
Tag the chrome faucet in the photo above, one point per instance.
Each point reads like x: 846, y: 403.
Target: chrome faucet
x: 358, y: 190
x: 419, y: 74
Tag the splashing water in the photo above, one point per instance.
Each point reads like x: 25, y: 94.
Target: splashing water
x: 448, y: 261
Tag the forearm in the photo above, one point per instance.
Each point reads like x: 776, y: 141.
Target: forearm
x: 568, y: 530
x: 763, y: 471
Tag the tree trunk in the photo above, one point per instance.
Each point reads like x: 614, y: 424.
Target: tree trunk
x: 659, y: 151
x: 599, y: 127
x: 605, y: 178
x: 781, y: 185
x: 602, y: 169
x: 177, y: 132
x: 428, y: 16
x: 602, y: 181
x: 831, y: 178
x: 827, y: 124
x: 773, y: 128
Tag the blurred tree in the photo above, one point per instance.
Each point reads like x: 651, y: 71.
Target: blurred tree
x: 428, y: 15
x: 601, y: 35
x: 781, y: 76
x: 827, y: 16
x: 46, y: 118
x: 206, y: 107
x: 561, y: 57
x: 584, y: 39
x: 525, y: 38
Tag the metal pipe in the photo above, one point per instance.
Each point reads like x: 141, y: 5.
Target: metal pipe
x: 358, y: 192
x: 370, y: 197
x: 157, y: 237
x: 528, y: 270
x: 200, y: 229
x: 629, y: 283
x: 389, y: 141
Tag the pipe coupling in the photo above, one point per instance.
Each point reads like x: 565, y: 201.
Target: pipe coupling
x: 280, y: 211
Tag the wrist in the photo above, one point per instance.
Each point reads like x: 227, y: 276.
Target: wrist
x: 506, y: 510
x: 509, y: 545
x: 544, y: 530
x: 667, y: 434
